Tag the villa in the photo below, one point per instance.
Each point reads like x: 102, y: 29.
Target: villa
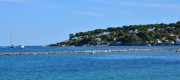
x: 178, y: 41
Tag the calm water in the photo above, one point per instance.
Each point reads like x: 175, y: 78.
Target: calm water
x: 151, y: 65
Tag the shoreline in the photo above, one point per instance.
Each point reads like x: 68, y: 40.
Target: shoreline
x: 82, y: 51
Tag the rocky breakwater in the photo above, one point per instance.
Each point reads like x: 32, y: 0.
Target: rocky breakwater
x: 82, y: 51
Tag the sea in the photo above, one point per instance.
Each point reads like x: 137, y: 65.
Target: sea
x: 146, y: 65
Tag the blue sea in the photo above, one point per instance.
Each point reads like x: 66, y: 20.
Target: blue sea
x: 149, y: 65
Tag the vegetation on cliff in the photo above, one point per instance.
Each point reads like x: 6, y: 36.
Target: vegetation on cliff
x: 126, y: 35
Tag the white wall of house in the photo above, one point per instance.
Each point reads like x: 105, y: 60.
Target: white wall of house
x: 178, y: 41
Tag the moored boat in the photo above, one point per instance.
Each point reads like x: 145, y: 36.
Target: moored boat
x: 21, y: 46
x: 12, y: 46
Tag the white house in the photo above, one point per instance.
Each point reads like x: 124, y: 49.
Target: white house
x: 178, y: 41
x: 97, y: 41
x: 134, y: 31
x: 157, y: 41
x: 151, y: 29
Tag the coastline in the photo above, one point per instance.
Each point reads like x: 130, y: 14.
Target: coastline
x: 82, y: 51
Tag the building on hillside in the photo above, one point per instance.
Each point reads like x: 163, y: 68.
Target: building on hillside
x: 136, y: 31
x: 157, y: 42
x: 174, y: 35
x: 178, y: 41
x: 97, y: 41
x: 151, y: 29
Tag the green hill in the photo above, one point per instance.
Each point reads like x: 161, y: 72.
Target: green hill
x: 154, y: 34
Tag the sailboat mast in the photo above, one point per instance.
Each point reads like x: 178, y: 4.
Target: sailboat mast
x: 11, y: 38
x: 12, y: 46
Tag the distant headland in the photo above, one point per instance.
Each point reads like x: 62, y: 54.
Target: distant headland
x: 149, y: 34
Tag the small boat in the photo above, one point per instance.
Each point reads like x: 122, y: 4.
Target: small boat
x: 21, y: 46
x: 12, y: 46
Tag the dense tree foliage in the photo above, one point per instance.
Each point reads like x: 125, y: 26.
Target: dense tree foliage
x: 128, y: 35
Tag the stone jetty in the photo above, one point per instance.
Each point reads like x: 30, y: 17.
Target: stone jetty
x: 81, y: 51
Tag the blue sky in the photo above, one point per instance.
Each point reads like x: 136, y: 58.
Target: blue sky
x: 40, y: 22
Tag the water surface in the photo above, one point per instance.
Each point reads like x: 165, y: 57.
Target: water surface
x: 150, y: 65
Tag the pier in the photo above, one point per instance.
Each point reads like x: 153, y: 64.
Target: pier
x: 81, y: 51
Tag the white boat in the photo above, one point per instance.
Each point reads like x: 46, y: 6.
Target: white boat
x: 21, y: 46
x: 12, y: 46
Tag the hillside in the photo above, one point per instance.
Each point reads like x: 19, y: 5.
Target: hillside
x: 154, y: 34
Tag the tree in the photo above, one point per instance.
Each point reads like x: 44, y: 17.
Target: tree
x: 106, y: 37
x: 152, y: 34
x: 170, y: 30
x: 123, y: 34
x: 98, y: 31
x: 85, y: 41
x: 71, y: 36
x: 178, y: 22
x: 131, y: 39
x: 134, y: 38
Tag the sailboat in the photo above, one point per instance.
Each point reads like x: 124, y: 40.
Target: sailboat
x: 12, y: 45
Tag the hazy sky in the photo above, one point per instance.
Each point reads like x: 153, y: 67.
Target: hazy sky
x: 40, y: 22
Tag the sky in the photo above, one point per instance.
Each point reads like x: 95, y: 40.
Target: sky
x: 42, y: 22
